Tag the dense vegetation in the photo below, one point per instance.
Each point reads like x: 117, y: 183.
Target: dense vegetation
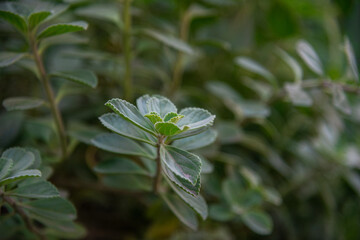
x: 108, y: 127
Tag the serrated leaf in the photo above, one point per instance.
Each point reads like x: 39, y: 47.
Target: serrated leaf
x: 349, y: 52
x: 198, y: 141
x: 258, y: 221
x: 130, y: 113
x: 171, y: 115
x: 119, y: 166
x: 170, y: 41
x: 182, y: 211
x: 169, y: 129
x: 160, y: 105
x: 184, y: 164
x: 309, y: 56
x: 117, y: 144
x: 40, y: 189
x: 22, y: 159
x: 84, y: 77
x: 22, y: 103
x: 125, y: 128
x: 56, y: 208
x: 141, y: 104
x: 197, y: 203
x: 128, y: 182
x: 297, y: 95
x: 255, y: 67
x: 154, y: 117
x: 180, y: 182
x: 62, y: 28
x: 293, y: 64
x: 37, y: 17
x: 20, y: 175
x: 14, y: 19
x: 5, y: 166
x: 8, y: 58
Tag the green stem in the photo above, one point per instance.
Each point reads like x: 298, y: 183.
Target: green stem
x: 178, y: 67
x: 50, y: 95
x: 128, y: 90
x: 157, y: 178
x: 29, y: 224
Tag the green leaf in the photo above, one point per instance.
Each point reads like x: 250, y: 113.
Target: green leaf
x: 130, y: 113
x: 119, y: 166
x: 349, y: 52
x: 195, y: 202
x: 141, y: 104
x: 62, y: 28
x: 340, y: 100
x: 198, y: 141
x: 37, y: 161
x: 40, y: 189
x: 125, y: 128
x: 183, y: 184
x: 183, y: 212
x: 105, y: 12
x: 154, y: 117
x: 169, y: 41
x: 221, y: 212
x: 293, y: 64
x: 37, y: 17
x: 172, y: 115
x: 117, y: 144
x: 85, y: 77
x: 197, y: 119
x: 8, y: 58
x: 14, y: 19
x: 20, y: 175
x: 297, y: 95
x: 258, y: 221
x: 184, y: 164
x: 5, y: 167
x: 169, y: 129
x: 160, y: 105
x: 56, y: 208
x: 255, y: 67
x: 22, y: 159
x: 309, y: 56
x: 66, y: 230
x: 128, y: 182
x: 22, y: 103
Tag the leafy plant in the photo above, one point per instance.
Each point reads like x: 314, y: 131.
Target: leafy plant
x: 155, y: 131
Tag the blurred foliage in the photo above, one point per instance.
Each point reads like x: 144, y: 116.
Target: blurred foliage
x: 281, y: 76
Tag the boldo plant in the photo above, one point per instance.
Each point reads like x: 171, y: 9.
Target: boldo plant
x: 161, y: 136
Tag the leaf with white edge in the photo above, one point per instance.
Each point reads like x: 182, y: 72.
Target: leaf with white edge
x: 154, y: 117
x: 40, y: 189
x: 85, y: 77
x: 182, y: 211
x: 130, y: 113
x: 349, y: 52
x: 197, y: 119
x: 198, y: 141
x: 141, y: 104
x: 169, y: 129
x: 170, y: 41
x: 293, y: 64
x: 197, y: 203
x: 22, y: 103
x: 55, y: 208
x: 5, y: 167
x: 183, y: 184
x: 20, y: 175
x: 62, y: 28
x: 37, y: 17
x: 184, y: 164
x: 8, y: 58
x: 119, y: 166
x: 22, y: 159
x: 297, y: 95
x: 258, y: 221
x: 128, y: 182
x: 14, y: 19
x: 160, y: 105
x: 310, y: 57
x: 172, y: 117
x: 117, y: 124
x: 118, y: 144
x: 255, y: 67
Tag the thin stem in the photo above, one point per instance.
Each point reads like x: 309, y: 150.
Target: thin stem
x: 157, y: 178
x: 29, y: 224
x: 50, y: 95
x: 178, y: 67
x: 128, y: 90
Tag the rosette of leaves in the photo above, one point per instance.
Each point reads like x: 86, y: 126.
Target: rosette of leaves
x: 161, y: 136
x: 31, y: 207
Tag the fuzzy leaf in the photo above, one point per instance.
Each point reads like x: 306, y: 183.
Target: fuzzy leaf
x: 130, y: 113
x: 37, y: 17
x: 184, y: 164
x: 119, y: 166
x: 154, y: 117
x: 62, y: 28
x: 85, y: 77
x: 170, y: 115
x: 160, y: 105
x: 5, y: 166
x: 22, y: 103
x: 169, y: 129
x: 258, y: 221
x: 20, y: 175
x: 14, y: 19
x: 198, y: 141
x: 125, y: 128
x: 309, y: 56
x: 39, y: 189
x: 141, y: 104
x: 8, y: 58
x: 117, y: 144
x: 22, y: 159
